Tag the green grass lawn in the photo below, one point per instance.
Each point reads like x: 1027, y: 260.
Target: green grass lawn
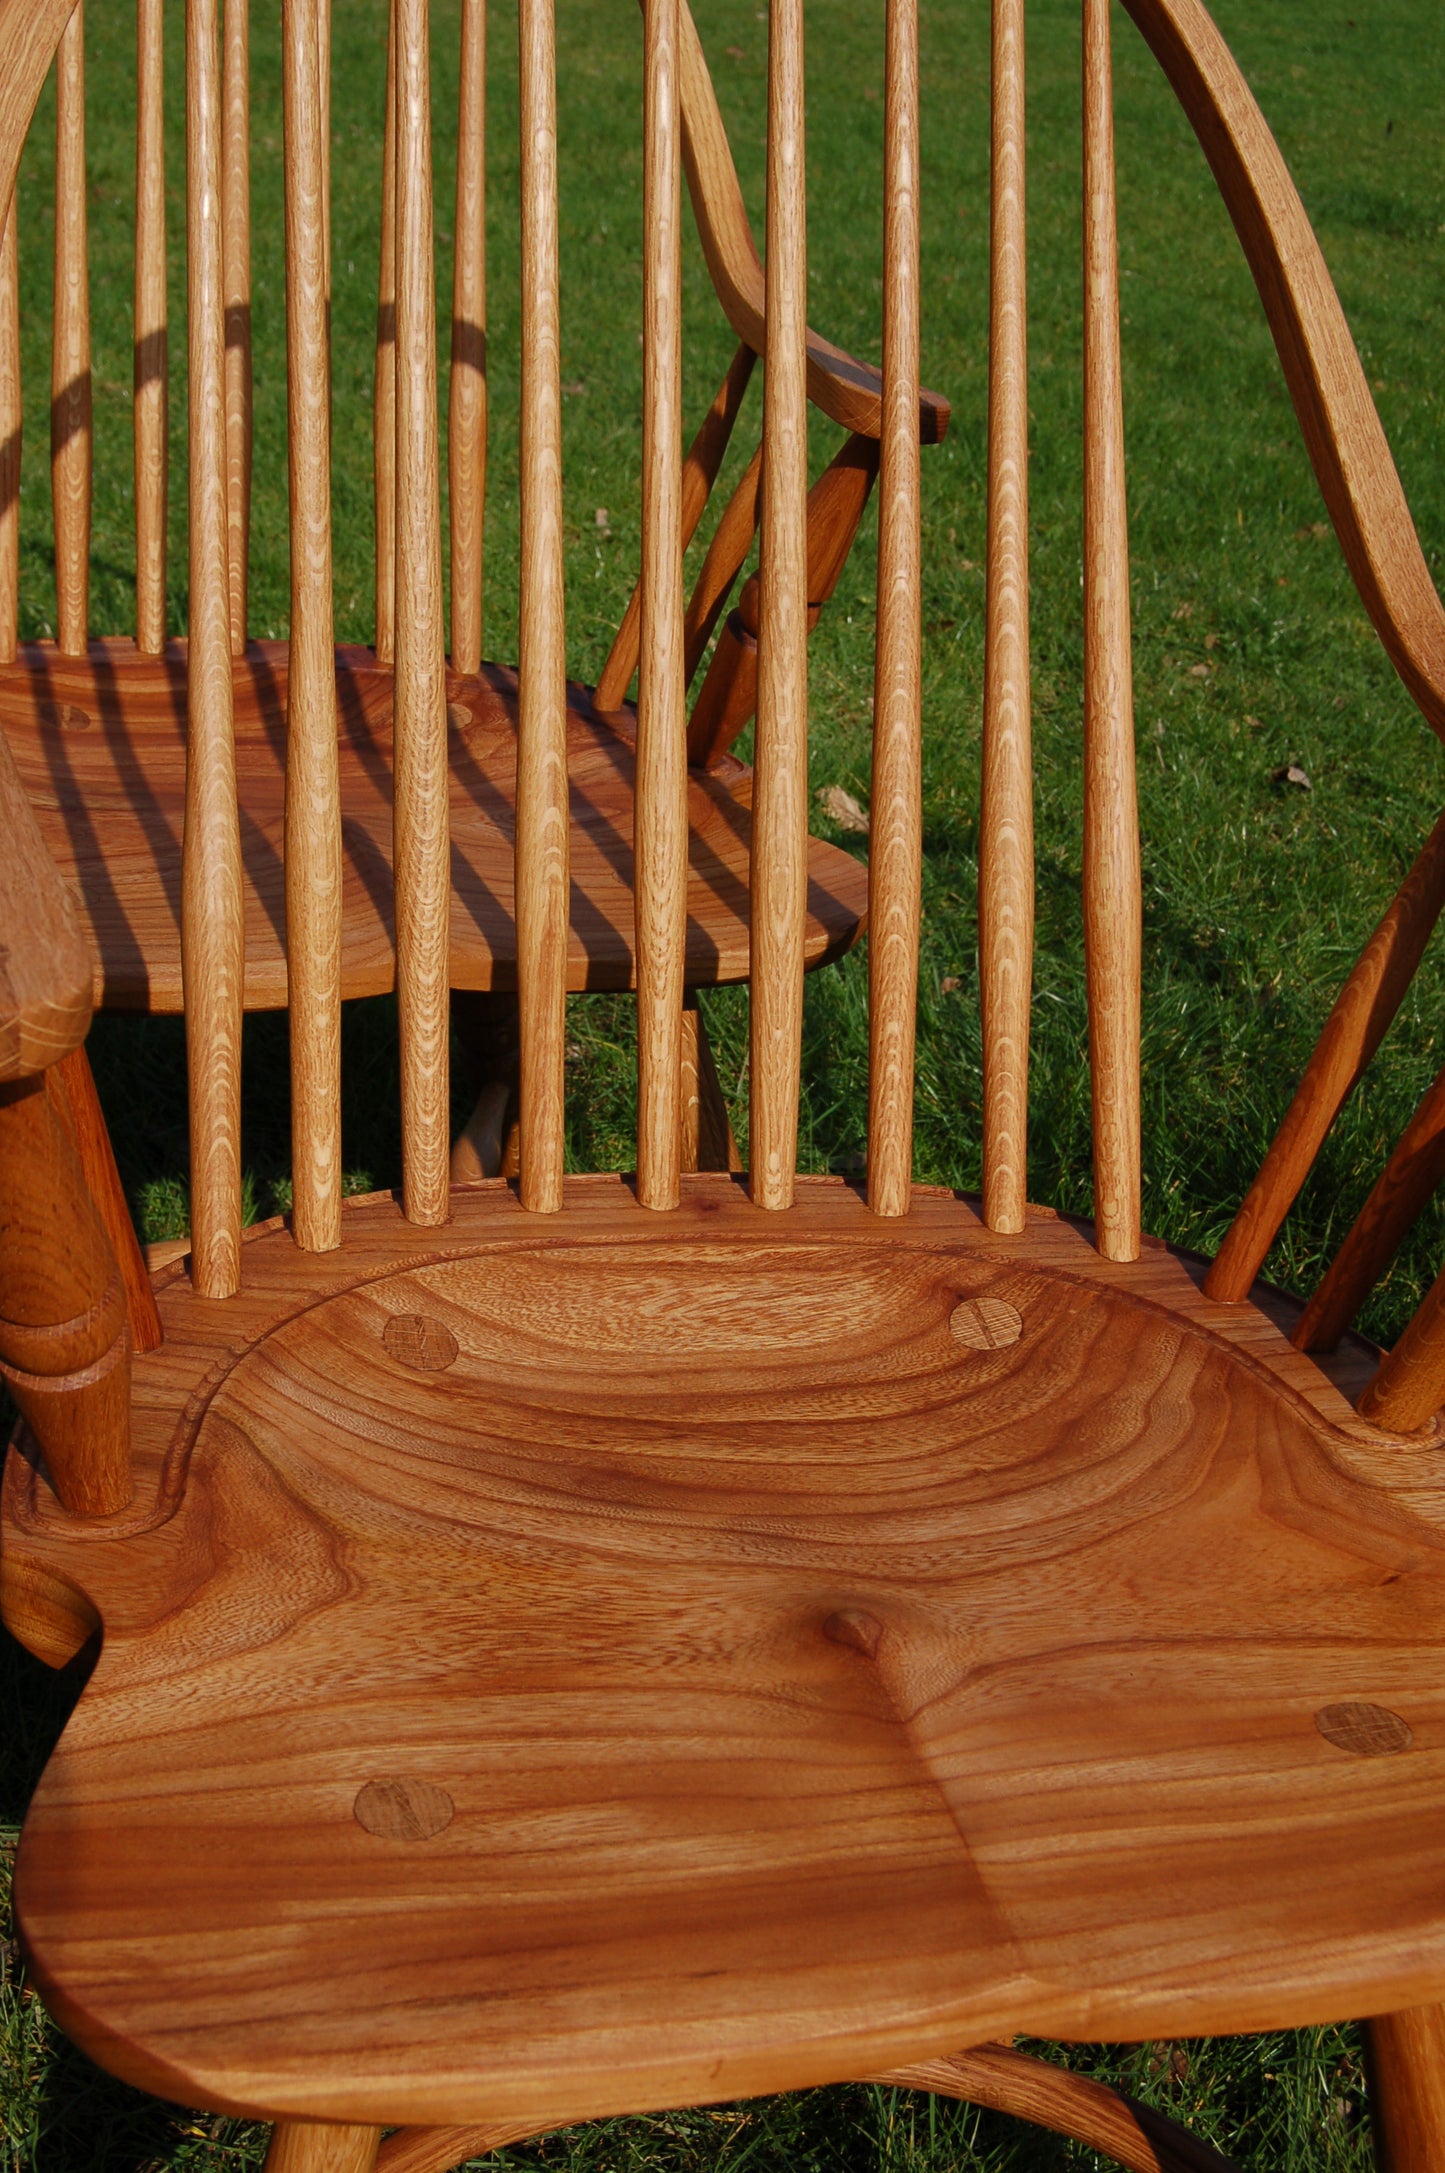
x: 1252, y: 653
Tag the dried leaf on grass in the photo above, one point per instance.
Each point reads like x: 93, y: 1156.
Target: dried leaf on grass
x: 841, y: 808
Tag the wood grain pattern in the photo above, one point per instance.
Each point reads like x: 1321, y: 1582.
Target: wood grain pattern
x: 1113, y: 911
x: 383, y: 423
x: 1006, y: 816
x: 661, y: 851
x: 699, y: 473
x: 542, y: 828
x: 422, y: 848
x: 72, y: 1087
x: 728, y: 696
x: 212, y: 926
x: 1407, y: 2089
x: 467, y: 391
x: 109, y: 798
x: 780, y: 803
x: 849, y: 392
x: 150, y: 399
x: 1407, y: 1184
x: 45, y: 962
x: 304, y: 2147
x: 236, y: 280
x: 895, y: 860
x: 1353, y: 1031
x: 70, y: 388
x: 1342, y: 431
x: 1090, y: 2112
x: 28, y: 39
x: 588, y: 1568
x: 313, y: 789
x: 10, y: 428
x: 64, y: 1346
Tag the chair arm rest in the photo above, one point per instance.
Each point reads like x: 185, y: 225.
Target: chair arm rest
x: 46, y: 971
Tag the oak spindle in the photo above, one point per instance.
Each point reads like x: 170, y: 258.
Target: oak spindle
x: 1407, y: 1184
x: 10, y: 412
x: 313, y: 789
x: 661, y: 818
x: 70, y: 389
x: 152, y: 429
x: 467, y: 393
x: 423, y: 874
x: 1112, y: 901
x: 780, y: 794
x: 384, y: 394
x: 212, y: 934
x: 542, y: 814
x: 895, y: 867
x: 1006, y: 840
x: 236, y: 257
x: 323, y: 34
x: 1353, y: 1031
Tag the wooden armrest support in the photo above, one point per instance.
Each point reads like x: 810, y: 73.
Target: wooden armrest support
x: 1342, y: 431
x: 848, y: 391
x: 46, y: 973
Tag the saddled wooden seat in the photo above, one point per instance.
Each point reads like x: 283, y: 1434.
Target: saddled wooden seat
x: 586, y: 1645
x: 577, y: 1665
x: 100, y: 745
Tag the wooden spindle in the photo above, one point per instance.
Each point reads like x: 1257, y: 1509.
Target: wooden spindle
x: 1407, y: 1184
x: 1353, y: 1031
x: 467, y: 393
x: 1410, y: 1386
x: 324, y: 51
x: 383, y: 410
x: 699, y: 473
x: 70, y: 391
x: 236, y: 258
x: 661, y: 815
x: 212, y: 930
x: 10, y: 414
x: 542, y: 813
x: 730, y: 543
x: 1113, y: 912
x: 895, y: 864
x: 421, y: 855
x: 150, y: 389
x: 1006, y: 841
x: 313, y: 790
x: 780, y: 792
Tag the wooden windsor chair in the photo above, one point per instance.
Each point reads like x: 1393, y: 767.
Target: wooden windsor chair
x: 97, y: 727
x: 586, y: 1645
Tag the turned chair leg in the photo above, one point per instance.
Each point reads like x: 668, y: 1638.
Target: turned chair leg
x: 1407, y: 2089
x: 305, y: 2146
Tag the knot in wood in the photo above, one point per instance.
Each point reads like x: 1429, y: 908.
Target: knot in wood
x: 418, y: 1341
x: 986, y: 1324
x: 1367, y: 1731
x: 459, y: 717
x: 399, y: 1809
x: 856, y: 1628
x: 67, y: 716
